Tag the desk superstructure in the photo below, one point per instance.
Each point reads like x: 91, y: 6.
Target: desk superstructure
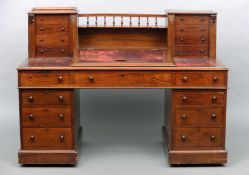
x: 175, y: 51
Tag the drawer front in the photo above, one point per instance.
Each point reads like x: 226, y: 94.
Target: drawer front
x: 191, y: 40
x: 191, y: 29
x: 52, y: 29
x: 44, y: 78
x: 199, y: 51
x: 47, y: 138
x: 199, y: 116
x: 199, y: 97
x: 192, y: 19
x: 46, y: 51
x: 52, y: 40
x: 46, y: 117
x: 46, y: 98
x: 52, y: 19
x: 201, y: 79
x: 195, y: 138
x: 122, y: 79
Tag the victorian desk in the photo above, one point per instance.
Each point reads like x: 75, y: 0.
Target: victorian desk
x: 69, y: 51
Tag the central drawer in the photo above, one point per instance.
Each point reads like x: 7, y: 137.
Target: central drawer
x: 122, y: 79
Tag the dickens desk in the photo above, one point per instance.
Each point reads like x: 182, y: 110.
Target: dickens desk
x: 175, y: 51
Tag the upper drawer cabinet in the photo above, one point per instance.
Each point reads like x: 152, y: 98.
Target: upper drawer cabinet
x: 44, y: 78
x: 201, y: 79
x: 192, y: 19
x: 52, y: 19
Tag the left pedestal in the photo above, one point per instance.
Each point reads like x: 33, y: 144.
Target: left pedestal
x: 49, y: 126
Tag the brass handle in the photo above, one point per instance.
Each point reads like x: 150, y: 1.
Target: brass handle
x: 41, y: 51
x: 184, y: 98
x: 215, y: 79
x: 202, y: 39
x: 62, y: 138
x: 213, y: 138
x: 31, y: 116
x: 91, y: 78
x: 202, y: 28
x: 184, y: 116
x: 32, y: 137
x: 214, y: 98
x: 62, y: 39
x: 61, y: 116
x: 62, y: 29
x: 61, y: 98
x: 213, y: 116
x: 41, y: 29
x: 31, y: 99
x: 185, y: 78
x: 183, y: 137
x: 181, y: 29
x: 62, y: 50
x: 41, y: 39
x: 60, y: 78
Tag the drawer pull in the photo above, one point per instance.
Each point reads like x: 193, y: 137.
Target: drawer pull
x: 42, y: 51
x: 42, y: 19
x: 32, y: 137
x: 214, y: 98
x: 62, y: 51
x: 202, y: 28
x: 181, y: 39
x: 185, y: 79
x: 62, y: 138
x: 31, y: 99
x: 202, y: 19
x: 41, y: 29
x: 62, y: 29
x: 62, y: 39
x: 184, y: 98
x: 181, y: 19
x: 215, y: 79
x: 61, y: 116
x: 90, y: 78
x: 213, y: 138
x: 181, y: 29
x: 202, y: 39
x: 41, y: 39
x: 183, y: 137
x: 60, y: 78
x: 61, y: 98
x: 213, y: 116
x: 184, y: 116
x: 202, y: 51
x: 31, y: 117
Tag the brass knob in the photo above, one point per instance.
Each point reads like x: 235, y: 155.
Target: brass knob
x: 213, y: 138
x: 215, y: 79
x: 91, y: 78
x: 185, y: 79
x: 62, y: 39
x: 214, y: 98
x: 61, y: 98
x: 62, y: 29
x: 184, y: 98
x: 60, y: 78
x: 213, y: 116
x: 184, y: 116
x: 41, y: 51
x: 41, y: 29
x: 31, y: 99
x: 202, y: 39
x: 202, y: 28
x: 61, y: 116
x: 202, y: 51
x: 31, y: 116
x: 183, y: 137
x: 62, y: 50
x: 32, y: 137
x: 181, y: 29
x: 41, y: 39
x: 181, y: 39
x: 62, y: 138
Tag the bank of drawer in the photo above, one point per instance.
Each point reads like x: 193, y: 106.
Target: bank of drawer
x: 122, y: 79
x: 47, y: 138
x: 44, y: 78
x: 191, y: 19
x: 199, y: 117
x: 199, y: 97
x: 52, y: 51
x: 62, y: 29
x: 191, y: 40
x: 201, y: 79
x: 52, y: 40
x: 194, y: 138
x: 52, y: 19
x: 48, y: 98
x: 190, y: 51
x: 46, y: 117
x: 191, y: 29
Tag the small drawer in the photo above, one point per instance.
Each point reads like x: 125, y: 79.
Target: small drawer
x: 52, y: 40
x: 51, y: 51
x: 199, y: 97
x: 199, y: 117
x: 201, y: 79
x: 52, y: 29
x: 46, y: 98
x: 197, y: 138
x: 191, y: 29
x: 191, y: 40
x: 44, y: 78
x: 123, y: 79
x: 191, y: 51
x: 46, y: 117
x: 192, y: 19
x: 52, y: 19
x: 47, y: 138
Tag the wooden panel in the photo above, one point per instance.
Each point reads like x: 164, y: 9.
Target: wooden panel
x: 122, y: 79
x: 196, y: 39
x: 61, y: 29
x: 212, y: 36
x: 192, y: 19
x: 47, y: 138
x: 199, y: 116
x: 192, y: 29
x: 31, y: 35
x: 122, y: 37
x: 52, y: 40
x: 46, y: 117
x: 52, y: 51
x: 52, y: 19
x: 190, y: 51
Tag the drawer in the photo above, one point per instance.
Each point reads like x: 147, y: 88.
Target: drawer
x: 52, y: 29
x: 201, y: 79
x: 47, y: 138
x: 199, y: 97
x: 191, y: 19
x: 52, y: 19
x: 123, y: 79
x: 189, y: 51
x: 199, y: 116
x: 46, y: 117
x: 45, y: 51
x: 46, y: 98
x: 195, y: 138
x: 191, y: 29
x: 52, y: 40
x: 44, y: 78
x: 191, y: 40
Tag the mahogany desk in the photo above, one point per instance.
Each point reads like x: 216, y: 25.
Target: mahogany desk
x: 65, y: 57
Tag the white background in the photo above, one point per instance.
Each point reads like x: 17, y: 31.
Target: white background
x: 122, y: 127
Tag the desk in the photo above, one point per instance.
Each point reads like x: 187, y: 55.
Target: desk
x: 50, y: 79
